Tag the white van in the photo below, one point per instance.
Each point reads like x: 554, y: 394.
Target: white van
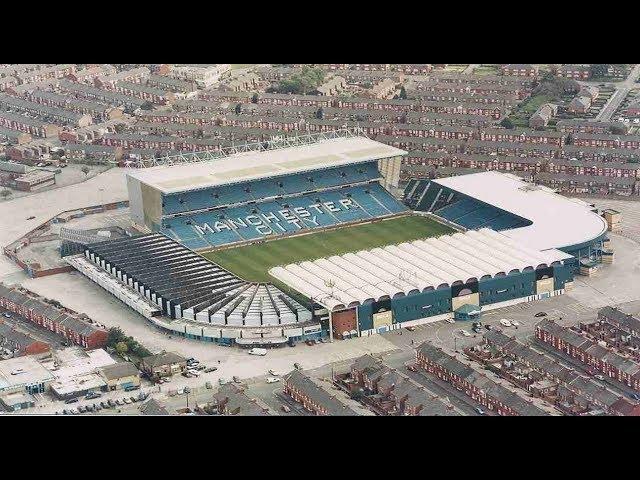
x: 258, y: 351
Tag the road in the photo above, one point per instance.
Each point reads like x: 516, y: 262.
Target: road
x: 622, y: 89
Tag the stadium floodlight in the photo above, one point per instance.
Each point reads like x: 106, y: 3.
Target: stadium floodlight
x: 283, y: 142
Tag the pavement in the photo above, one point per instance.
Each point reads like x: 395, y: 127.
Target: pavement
x: 106, y: 187
x: 622, y: 89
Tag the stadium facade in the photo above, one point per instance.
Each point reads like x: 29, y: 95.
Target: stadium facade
x: 514, y: 243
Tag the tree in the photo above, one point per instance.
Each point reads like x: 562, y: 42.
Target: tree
x: 507, y: 123
x: 6, y: 193
x: 618, y: 129
x: 85, y: 170
x: 320, y: 114
x: 122, y: 348
x: 254, y: 99
x: 146, y: 106
x: 238, y: 109
x: 403, y: 93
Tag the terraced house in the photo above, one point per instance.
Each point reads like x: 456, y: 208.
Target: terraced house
x: 32, y: 307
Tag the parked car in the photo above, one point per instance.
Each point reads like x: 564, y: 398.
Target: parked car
x: 208, y: 385
x: 273, y: 372
x: 210, y: 369
x: 6, y: 315
x: 479, y: 410
x: 130, y: 388
x: 515, y: 323
x: 126, y: 400
x: 71, y: 400
x: 97, y: 407
x: 505, y: 323
x: 237, y: 379
x: 82, y: 409
x: 411, y: 329
x: 223, y: 381
x: 273, y: 379
x: 599, y: 377
x: 261, y: 352
x: 285, y: 408
x: 540, y: 314
x: 412, y: 368
x: 92, y: 395
x: 464, y: 333
x: 297, y: 366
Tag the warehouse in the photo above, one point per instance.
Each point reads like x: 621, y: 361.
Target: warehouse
x: 382, y: 289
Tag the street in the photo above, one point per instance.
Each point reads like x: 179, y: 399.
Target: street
x: 622, y: 89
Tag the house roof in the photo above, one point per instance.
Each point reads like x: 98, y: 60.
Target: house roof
x: 119, y: 370
x: 161, y: 359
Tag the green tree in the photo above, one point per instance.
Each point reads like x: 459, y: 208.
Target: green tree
x: 320, y: 113
x: 238, y: 109
x: 122, y: 348
x: 403, y: 93
x: 618, y: 129
x: 146, y: 106
x: 507, y: 123
x: 5, y: 193
x: 85, y: 170
x: 254, y: 99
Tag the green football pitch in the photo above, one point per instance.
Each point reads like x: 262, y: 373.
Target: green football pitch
x: 252, y: 262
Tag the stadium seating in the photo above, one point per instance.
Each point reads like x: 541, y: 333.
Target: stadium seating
x: 370, y: 200
x: 258, y: 190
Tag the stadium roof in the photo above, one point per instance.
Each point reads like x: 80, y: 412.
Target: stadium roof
x: 558, y: 221
x: 371, y: 275
x: 253, y: 165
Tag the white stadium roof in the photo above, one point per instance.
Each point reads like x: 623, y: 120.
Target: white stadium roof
x: 353, y: 278
x: 255, y: 165
x: 558, y: 221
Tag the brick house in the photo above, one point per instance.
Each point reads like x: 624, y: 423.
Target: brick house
x: 577, y: 72
x: 474, y: 384
x: 590, y: 353
x: 519, y: 70
x: 71, y: 326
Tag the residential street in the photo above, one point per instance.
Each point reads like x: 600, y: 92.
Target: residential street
x: 618, y: 97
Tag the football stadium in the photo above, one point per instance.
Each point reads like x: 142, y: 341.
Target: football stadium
x: 310, y: 239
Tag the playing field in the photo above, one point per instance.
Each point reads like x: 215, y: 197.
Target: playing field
x: 253, y: 262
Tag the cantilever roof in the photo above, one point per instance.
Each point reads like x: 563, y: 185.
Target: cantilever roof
x: 354, y: 278
x: 558, y: 221
x: 253, y: 165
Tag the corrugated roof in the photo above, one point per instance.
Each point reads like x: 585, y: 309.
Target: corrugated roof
x: 354, y: 278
